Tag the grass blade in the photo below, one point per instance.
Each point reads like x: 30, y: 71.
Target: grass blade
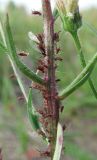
x: 2, y: 48
x: 13, y: 65
x: 22, y: 67
x: 83, y: 61
x: 80, y: 79
x: 33, y: 117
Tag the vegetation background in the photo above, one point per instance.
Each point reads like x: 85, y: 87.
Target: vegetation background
x: 80, y: 112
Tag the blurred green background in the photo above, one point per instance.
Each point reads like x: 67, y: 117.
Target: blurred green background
x: 80, y: 111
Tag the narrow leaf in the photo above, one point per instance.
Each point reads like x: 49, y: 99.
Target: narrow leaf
x: 18, y: 78
x: 12, y: 64
x: 2, y: 48
x: 2, y: 34
x: 33, y: 117
x: 71, y: 88
x: 59, y: 143
x: 55, y: 14
x: 80, y: 79
x: 23, y: 68
x: 83, y: 62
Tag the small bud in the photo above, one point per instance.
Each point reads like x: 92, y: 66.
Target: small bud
x: 58, y: 50
x: 62, y: 108
x: 36, y: 13
x: 41, y: 49
x: 56, y: 37
x: 64, y: 127
x: 58, y: 80
x: 69, y: 13
x: 67, y: 7
x: 41, y: 68
x: 58, y: 59
x: 12, y: 76
x: 33, y: 37
x: 23, y: 54
x: 21, y: 98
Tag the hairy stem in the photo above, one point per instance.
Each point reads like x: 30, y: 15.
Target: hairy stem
x: 83, y: 62
x: 53, y: 103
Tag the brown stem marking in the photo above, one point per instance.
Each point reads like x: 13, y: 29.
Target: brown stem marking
x: 0, y: 154
x: 53, y: 103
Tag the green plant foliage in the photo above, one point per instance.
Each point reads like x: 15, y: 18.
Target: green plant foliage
x: 33, y: 116
x: 2, y: 48
x: 69, y: 68
x: 82, y: 77
x: 12, y: 64
x: 23, y: 68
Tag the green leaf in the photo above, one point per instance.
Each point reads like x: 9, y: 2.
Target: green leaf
x: 18, y: 78
x: 2, y: 48
x: 33, y: 116
x: 71, y: 88
x: 22, y: 67
x: 12, y: 64
x: 80, y: 79
x: 82, y: 59
x: 55, y: 14
x: 59, y: 143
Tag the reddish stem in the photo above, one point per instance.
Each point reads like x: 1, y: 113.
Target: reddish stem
x: 52, y: 101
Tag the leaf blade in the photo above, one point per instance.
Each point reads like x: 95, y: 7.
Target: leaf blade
x: 22, y: 67
x: 2, y: 48
x: 33, y: 117
x: 12, y: 63
x: 81, y: 78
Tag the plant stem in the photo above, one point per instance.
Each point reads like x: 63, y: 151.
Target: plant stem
x: 53, y: 102
x: 83, y: 62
